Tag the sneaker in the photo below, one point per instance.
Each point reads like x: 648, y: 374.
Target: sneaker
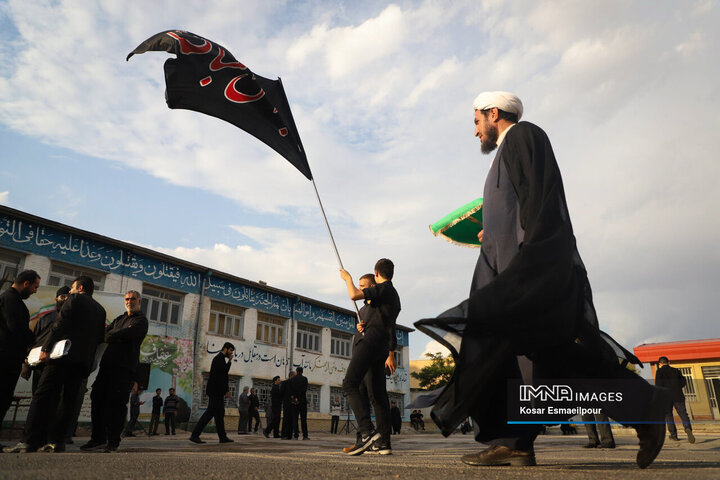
x: 195, y: 439
x: 19, y: 447
x: 381, y: 447
x: 691, y: 437
x: 364, y: 443
x: 93, y: 445
x: 52, y: 448
x: 224, y: 440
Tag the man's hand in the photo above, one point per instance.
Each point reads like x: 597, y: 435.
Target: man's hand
x: 390, y: 362
x: 480, y: 235
x: 227, y: 394
x: 345, y: 275
x: 44, y: 357
x: 360, y: 326
x: 26, y: 371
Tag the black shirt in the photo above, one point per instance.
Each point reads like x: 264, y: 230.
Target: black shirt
x: 15, y: 334
x: 384, y: 308
x: 124, y: 337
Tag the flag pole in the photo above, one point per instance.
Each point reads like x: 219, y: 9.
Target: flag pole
x: 332, y: 239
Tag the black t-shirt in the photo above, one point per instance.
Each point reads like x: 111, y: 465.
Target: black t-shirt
x: 382, y: 312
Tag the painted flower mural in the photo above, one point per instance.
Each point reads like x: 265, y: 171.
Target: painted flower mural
x: 172, y: 356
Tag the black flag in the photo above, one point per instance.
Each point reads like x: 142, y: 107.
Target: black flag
x: 205, y: 77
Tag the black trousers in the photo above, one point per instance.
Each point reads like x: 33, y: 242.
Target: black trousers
x: 154, y: 422
x: 368, y: 357
x: 53, y: 403
x: 300, y: 410
x: 682, y: 413
x: 134, y: 414
x: 243, y: 421
x: 600, y: 433
x: 216, y: 410
x: 253, y: 415
x: 108, y: 399
x: 10, y: 368
x: 334, y: 422
x: 273, y: 423
x: 287, y: 428
x: 169, y: 423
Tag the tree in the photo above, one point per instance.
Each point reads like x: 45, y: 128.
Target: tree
x: 438, y: 373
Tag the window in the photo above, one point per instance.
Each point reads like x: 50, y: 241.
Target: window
x: 231, y: 401
x: 262, y: 389
x: 308, y: 338
x: 64, y: 274
x: 340, y: 344
x: 313, y: 398
x: 162, y: 306
x: 398, y: 357
x: 337, y: 398
x: 226, y: 320
x: 689, y: 388
x: 270, y: 329
x: 9, y: 267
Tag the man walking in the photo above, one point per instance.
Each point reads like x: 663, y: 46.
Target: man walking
x: 218, y: 390
x: 370, y: 353
x: 671, y: 378
x: 82, y: 322
x: 135, y: 403
x: 530, y: 297
x: 15, y: 334
x: 273, y: 423
x: 253, y: 411
x: 116, y: 375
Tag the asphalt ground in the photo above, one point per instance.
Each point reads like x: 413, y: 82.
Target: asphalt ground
x: 415, y: 456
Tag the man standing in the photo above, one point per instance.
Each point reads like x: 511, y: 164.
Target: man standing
x: 42, y: 329
x: 15, y: 334
x: 253, y: 411
x: 243, y: 404
x: 370, y: 353
x: 82, y: 322
x: 218, y: 390
x: 671, y: 378
x: 286, y: 432
x: 157, y: 403
x: 395, y: 418
x: 530, y: 297
x: 273, y: 423
x: 116, y: 376
x: 298, y: 386
x: 171, y: 408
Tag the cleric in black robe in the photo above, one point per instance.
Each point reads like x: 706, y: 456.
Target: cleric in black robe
x: 530, y: 313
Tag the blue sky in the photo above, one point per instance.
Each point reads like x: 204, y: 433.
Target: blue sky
x: 382, y: 97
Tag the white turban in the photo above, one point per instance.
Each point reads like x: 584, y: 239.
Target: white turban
x: 505, y: 101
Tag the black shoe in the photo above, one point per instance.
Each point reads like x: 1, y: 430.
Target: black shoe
x: 267, y: 435
x: 111, y: 448
x: 226, y: 440
x: 691, y: 437
x: 166, y: 433
x: 674, y: 437
x: 195, y: 439
x: 69, y: 441
x: 651, y: 436
x: 93, y: 445
x: 607, y: 445
x: 306, y: 438
x: 501, y: 455
x: 591, y: 445
x: 381, y: 447
x: 277, y: 436
x: 364, y: 443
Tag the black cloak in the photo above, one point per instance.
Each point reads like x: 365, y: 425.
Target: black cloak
x: 542, y: 299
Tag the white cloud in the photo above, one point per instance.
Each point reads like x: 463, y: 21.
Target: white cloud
x: 433, y: 347
x: 5, y: 198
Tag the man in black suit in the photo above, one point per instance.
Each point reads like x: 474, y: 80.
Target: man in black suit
x: 15, y: 334
x: 286, y: 432
x: 273, y: 424
x: 298, y: 387
x: 217, y: 390
x: 116, y: 376
x: 671, y: 378
x: 42, y: 329
x: 82, y: 321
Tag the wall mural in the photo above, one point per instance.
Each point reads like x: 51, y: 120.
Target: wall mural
x: 171, y: 361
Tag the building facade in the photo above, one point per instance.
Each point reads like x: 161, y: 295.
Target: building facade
x: 699, y: 362
x: 193, y: 310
